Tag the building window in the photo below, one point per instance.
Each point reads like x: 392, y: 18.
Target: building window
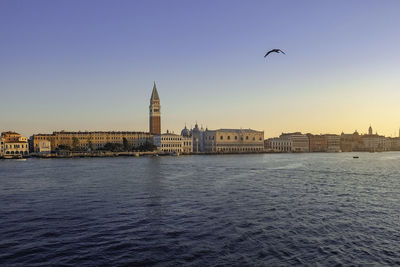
x: 221, y: 137
x: 229, y: 138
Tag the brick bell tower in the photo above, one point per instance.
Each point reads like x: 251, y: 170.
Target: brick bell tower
x: 155, y: 112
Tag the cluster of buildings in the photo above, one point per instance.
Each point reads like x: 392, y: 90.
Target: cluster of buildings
x: 298, y: 142
x: 195, y: 140
x: 85, y: 140
x: 199, y: 140
x: 368, y: 142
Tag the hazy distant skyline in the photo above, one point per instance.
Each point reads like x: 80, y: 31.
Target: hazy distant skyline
x: 90, y: 65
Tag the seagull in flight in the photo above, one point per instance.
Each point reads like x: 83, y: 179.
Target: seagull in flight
x: 274, y: 51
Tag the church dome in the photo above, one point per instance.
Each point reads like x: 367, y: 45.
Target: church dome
x: 185, y: 132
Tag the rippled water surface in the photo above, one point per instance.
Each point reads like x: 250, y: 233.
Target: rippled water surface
x: 267, y: 209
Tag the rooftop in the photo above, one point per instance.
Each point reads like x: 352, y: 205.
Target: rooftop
x: 237, y: 130
x: 9, y: 132
x: 95, y: 132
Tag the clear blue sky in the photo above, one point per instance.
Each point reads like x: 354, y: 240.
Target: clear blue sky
x: 90, y: 65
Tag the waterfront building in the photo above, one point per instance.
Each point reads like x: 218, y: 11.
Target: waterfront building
x: 35, y: 139
x: 290, y: 142
x: 318, y: 143
x: 375, y: 143
x: 333, y: 142
x: 187, y: 144
x: 267, y: 144
x: 198, y: 138
x: 169, y: 142
x: 197, y: 134
x: 350, y: 142
x: 299, y: 142
x: 42, y: 147
x: 155, y: 112
x: 387, y: 143
x: 394, y: 144
x: 15, y: 144
x: 280, y: 144
x: 233, y: 140
x: 370, y: 142
x: 91, y: 140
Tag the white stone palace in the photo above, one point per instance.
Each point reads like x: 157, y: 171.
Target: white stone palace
x: 225, y: 140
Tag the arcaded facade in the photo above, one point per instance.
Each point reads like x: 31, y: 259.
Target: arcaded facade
x: 168, y: 142
x: 233, y: 141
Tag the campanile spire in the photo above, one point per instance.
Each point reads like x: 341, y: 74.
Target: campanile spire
x: 155, y: 112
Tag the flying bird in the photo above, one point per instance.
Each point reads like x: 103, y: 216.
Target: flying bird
x: 274, y: 51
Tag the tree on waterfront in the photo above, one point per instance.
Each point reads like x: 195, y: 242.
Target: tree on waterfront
x: 63, y: 147
x: 113, y: 147
x: 146, y: 147
x: 75, y: 143
x: 90, y: 144
x: 125, y: 144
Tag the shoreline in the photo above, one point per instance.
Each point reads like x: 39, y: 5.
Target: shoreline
x: 64, y: 155
x: 115, y: 154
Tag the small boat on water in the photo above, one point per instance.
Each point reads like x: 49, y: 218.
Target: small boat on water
x: 20, y: 159
x: 355, y: 157
x: 16, y: 157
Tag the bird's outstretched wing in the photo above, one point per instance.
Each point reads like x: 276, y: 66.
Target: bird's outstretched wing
x: 275, y: 51
x: 269, y: 52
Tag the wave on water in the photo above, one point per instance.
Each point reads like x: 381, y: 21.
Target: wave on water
x: 289, y: 166
x: 394, y: 157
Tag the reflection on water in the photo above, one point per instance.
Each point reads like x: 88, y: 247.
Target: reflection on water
x: 271, y: 209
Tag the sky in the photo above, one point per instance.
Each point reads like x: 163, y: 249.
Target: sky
x: 90, y: 65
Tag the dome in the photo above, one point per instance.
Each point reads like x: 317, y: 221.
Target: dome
x: 185, y: 132
x: 196, y: 129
